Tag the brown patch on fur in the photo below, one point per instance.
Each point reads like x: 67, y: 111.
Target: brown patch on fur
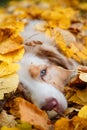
x: 53, y: 56
x: 33, y: 43
x: 51, y: 53
x: 34, y: 71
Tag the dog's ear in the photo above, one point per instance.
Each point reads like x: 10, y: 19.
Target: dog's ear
x: 31, y: 45
x: 54, y: 56
x: 51, y: 53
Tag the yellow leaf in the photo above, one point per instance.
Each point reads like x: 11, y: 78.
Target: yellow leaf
x: 24, y: 126
x: 77, y: 100
x: 8, y: 84
x: 83, y: 76
x: 12, y: 56
x: 70, y: 49
x: 5, y: 34
x: 83, y: 6
x: 7, y: 128
x: 12, y: 25
x: 82, y: 95
x: 62, y: 124
x: 76, y: 123
x: 6, y: 69
x: 83, y: 112
x: 11, y: 44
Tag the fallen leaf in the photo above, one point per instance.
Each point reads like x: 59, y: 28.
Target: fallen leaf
x: 7, y: 120
x: 8, y: 84
x: 66, y: 42
x: 7, y: 128
x: 12, y: 56
x: 11, y: 44
x: 76, y: 99
x: 24, y: 126
x: 5, y: 33
x: 6, y: 69
x: 11, y: 24
x: 83, y: 76
x: 29, y: 113
x: 83, y: 6
x: 76, y: 123
x: 83, y: 112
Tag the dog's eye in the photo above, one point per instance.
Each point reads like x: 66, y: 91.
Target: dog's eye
x: 43, y: 72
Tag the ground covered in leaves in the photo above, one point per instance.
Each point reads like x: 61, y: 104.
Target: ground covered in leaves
x: 66, y: 23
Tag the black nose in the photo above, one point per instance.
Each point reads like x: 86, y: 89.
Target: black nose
x: 50, y: 104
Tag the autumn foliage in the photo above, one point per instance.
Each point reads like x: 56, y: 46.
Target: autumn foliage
x: 65, y: 22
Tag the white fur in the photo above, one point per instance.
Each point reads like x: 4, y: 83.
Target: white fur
x: 40, y: 91
x: 30, y: 33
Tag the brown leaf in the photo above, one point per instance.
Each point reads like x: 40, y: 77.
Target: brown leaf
x: 7, y: 120
x: 30, y: 113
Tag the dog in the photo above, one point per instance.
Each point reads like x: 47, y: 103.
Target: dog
x: 44, y: 71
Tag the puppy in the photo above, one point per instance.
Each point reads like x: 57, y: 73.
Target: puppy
x: 44, y: 71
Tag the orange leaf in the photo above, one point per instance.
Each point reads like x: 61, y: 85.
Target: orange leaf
x: 28, y: 112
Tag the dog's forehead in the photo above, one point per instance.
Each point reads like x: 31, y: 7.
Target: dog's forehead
x: 30, y: 59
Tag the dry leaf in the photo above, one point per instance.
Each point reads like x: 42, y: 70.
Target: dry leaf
x: 11, y: 24
x: 83, y: 77
x: 83, y: 112
x: 7, y: 120
x: 79, y: 96
x: 13, y: 56
x: 8, y: 84
x: 66, y: 42
x: 6, y: 69
x: 76, y: 99
x: 76, y: 123
x: 11, y: 44
x: 7, y: 128
x: 82, y: 95
x: 59, y: 15
x: 83, y: 6
x: 5, y: 33
x: 78, y: 91
x: 24, y: 126
x: 28, y: 112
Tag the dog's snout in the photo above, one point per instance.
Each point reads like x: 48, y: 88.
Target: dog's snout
x: 52, y: 104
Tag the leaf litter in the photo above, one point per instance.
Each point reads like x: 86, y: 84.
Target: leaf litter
x: 67, y: 26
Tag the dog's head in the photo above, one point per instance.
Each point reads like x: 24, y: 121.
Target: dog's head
x: 44, y: 72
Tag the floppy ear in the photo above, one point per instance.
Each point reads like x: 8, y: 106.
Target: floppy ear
x: 54, y: 56
x: 51, y: 53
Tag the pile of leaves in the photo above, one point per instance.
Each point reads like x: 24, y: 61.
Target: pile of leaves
x: 65, y: 22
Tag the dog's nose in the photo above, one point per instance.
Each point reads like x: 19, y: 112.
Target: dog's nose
x: 52, y: 104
